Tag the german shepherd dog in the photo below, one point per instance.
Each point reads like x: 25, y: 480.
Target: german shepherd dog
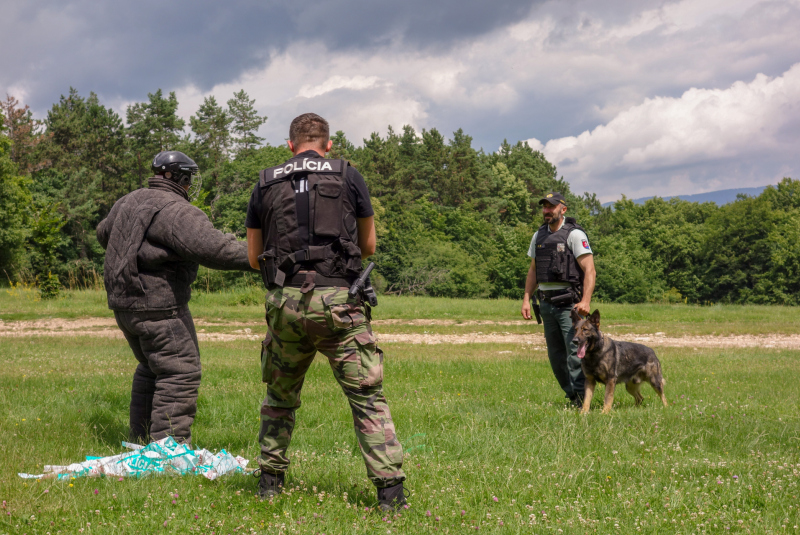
x: 610, y: 362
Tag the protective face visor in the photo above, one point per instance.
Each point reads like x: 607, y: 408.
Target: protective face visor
x: 195, y: 185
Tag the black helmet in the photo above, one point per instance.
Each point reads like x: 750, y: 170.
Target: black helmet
x: 175, y: 165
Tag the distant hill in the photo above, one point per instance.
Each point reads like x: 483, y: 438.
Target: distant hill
x: 723, y: 196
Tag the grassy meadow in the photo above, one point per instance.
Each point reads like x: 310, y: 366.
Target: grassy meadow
x: 247, y: 306
x: 490, y: 444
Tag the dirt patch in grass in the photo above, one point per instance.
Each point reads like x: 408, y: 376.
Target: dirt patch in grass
x: 55, y: 324
x: 107, y: 328
x: 455, y: 323
x: 769, y: 341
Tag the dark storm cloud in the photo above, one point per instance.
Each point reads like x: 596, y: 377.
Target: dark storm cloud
x: 125, y: 49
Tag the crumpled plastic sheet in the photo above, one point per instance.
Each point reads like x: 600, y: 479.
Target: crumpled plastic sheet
x: 164, y: 457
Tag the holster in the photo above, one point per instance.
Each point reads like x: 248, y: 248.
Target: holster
x: 537, y: 311
x: 266, y: 264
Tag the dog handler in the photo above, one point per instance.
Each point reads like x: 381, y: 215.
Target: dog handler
x: 155, y: 240
x: 562, y: 267
x: 309, y: 224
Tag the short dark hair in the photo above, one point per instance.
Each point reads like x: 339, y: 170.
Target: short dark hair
x: 309, y: 128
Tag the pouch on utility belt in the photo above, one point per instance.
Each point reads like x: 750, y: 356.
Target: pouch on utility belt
x: 562, y: 300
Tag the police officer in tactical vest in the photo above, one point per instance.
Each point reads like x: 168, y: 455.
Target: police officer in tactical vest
x: 154, y: 240
x: 309, y: 224
x: 562, y: 267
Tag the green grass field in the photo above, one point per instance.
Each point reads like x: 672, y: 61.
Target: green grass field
x: 490, y: 444
x: 247, y: 306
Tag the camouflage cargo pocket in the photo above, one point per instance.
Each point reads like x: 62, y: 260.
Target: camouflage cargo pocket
x: 347, y: 316
x: 370, y: 369
x: 266, y: 359
x: 274, y: 306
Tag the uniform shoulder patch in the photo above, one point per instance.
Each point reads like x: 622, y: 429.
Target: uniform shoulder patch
x: 585, y: 244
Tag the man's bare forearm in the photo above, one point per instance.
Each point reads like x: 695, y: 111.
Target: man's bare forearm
x: 530, y: 282
x: 588, y: 284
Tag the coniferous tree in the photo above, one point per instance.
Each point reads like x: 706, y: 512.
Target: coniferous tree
x: 246, y: 123
x: 153, y: 126
x: 211, y: 127
x: 451, y: 220
x: 85, y: 140
x: 74, y: 186
x: 23, y: 131
x: 14, y: 203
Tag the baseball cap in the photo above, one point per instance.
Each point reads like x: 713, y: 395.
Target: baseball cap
x: 553, y: 198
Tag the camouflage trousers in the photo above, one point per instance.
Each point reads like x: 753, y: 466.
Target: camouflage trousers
x: 325, y: 320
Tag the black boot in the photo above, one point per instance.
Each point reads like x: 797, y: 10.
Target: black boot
x: 270, y: 485
x: 391, y: 498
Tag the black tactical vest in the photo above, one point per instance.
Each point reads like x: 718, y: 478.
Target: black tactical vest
x: 329, y: 245
x: 555, y: 261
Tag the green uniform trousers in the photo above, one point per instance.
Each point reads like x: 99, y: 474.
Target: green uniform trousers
x: 563, y: 354
x: 325, y: 320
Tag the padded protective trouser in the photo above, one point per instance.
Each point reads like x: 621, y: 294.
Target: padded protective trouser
x: 167, y: 379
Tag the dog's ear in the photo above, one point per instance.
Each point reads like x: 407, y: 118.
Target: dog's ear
x: 575, y: 317
x: 595, y: 318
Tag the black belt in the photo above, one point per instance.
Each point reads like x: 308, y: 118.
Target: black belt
x: 557, y: 297
x: 297, y: 280
x: 554, y: 293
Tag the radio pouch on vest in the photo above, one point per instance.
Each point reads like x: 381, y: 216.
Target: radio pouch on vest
x: 558, y: 265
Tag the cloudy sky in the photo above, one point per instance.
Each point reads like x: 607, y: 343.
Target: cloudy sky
x: 641, y: 98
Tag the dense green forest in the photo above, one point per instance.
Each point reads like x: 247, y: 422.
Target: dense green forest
x: 451, y: 220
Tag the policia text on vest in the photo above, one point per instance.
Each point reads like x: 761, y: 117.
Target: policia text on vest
x: 307, y: 165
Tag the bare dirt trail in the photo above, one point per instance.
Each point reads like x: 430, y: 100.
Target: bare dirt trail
x: 780, y: 341
x: 107, y: 328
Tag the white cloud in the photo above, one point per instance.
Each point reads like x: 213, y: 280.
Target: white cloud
x: 662, y: 140
x: 355, y: 83
x: 564, y: 69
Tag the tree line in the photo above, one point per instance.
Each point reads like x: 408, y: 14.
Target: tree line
x: 451, y: 220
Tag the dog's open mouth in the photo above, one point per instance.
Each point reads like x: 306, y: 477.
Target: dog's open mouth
x: 582, y: 351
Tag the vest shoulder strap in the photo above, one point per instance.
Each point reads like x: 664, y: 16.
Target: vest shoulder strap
x: 573, y: 224
x: 569, y: 225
